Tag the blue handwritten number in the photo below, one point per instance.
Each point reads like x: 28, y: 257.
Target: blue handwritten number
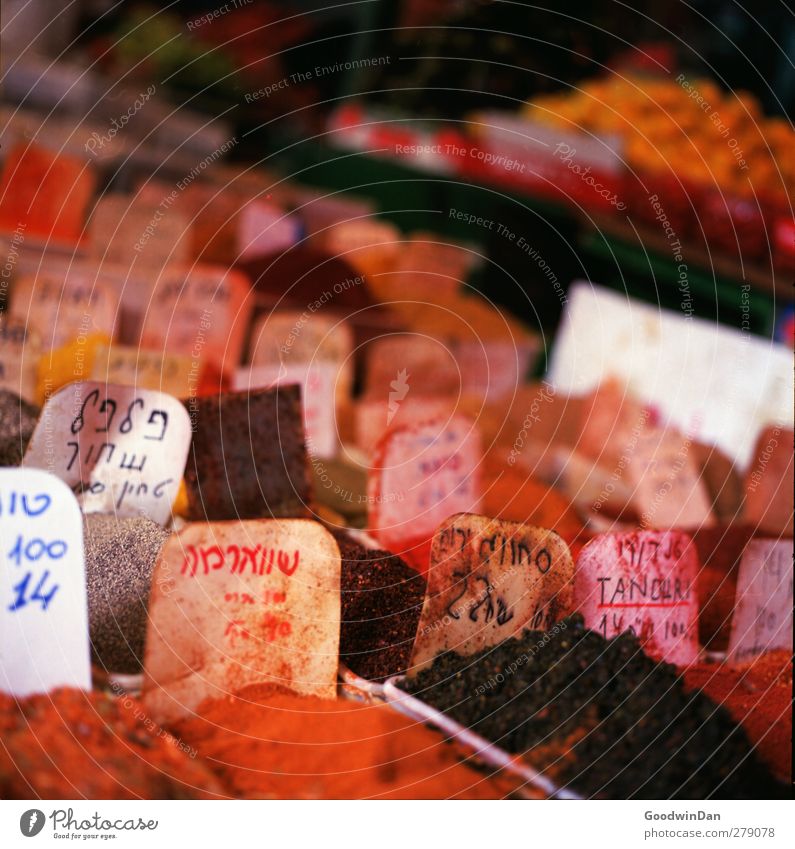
x: 38, y: 594
x: 35, y: 548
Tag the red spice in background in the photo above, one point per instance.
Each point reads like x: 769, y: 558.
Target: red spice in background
x: 720, y: 549
x: 759, y: 696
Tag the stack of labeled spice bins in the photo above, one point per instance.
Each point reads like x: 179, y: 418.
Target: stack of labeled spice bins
x: 336, y: 544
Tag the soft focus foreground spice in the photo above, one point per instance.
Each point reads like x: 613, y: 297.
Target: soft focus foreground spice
x: 598, y: 716
x: 758, y: 695
x: 381, y: 604
x: 268, y: 743
x: 17, y: 422
x: 120, y: 558
x: 74, y: 745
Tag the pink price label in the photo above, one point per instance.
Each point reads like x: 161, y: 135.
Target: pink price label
x: 644, y: 582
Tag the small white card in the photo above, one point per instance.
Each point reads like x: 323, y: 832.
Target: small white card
x: 762, y: 618
x: 122, y: 449
x: 43, y: 607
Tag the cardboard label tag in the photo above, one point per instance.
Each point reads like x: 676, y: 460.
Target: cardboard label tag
x: 317, y: 381
x: 494, y: 369
x: 43, y: 607
x: 46, y: 192
x: 489, y: 580
x: 122, y: 449
x: 294, y: 336
x: 642, y: 581
x: 368, y: 244
x: 714, y: 382
x: 668, y: 491
x: 64, y: 304
x: 238, y: 603
x: 762, y: 618
x: 416, y: 363
x: 19, y: 356
x: 769, y: 483
x: 199, y: 311
x: 374, y: 416
x: 125, y: 365
x: 263, y: 228
x: 127, y: 231
x: 420, y: 475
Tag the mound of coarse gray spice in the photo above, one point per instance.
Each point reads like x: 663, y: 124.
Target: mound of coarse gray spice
x: 17, y: 421
x: 597, y: 716
x: 120, y: 557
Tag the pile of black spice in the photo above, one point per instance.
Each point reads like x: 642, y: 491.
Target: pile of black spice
x: 597, y: 716
x: 382, y: 600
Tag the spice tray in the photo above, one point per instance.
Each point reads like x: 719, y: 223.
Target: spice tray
x: 487, y: 752
x: 359, y: 689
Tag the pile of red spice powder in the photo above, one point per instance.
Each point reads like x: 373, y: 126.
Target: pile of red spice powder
x: 69, y: 744
x: 268, y: 743
x: 759, y: 696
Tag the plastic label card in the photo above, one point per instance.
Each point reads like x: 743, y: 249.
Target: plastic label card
x: 239, y: 603
x: 43, y: 607
x: 769, y: 483
x: 129, y: 232
x: 489, y: 580
x: 375, y: 415
x: 64, y: 304
x: 121, y: 449
x: 199, y: 311
x: 645, y: 582
x: 263, y: 228
x: 762, y: 618
x: 420, y: 475
x: 126, y: 365
x: 667, y: 490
